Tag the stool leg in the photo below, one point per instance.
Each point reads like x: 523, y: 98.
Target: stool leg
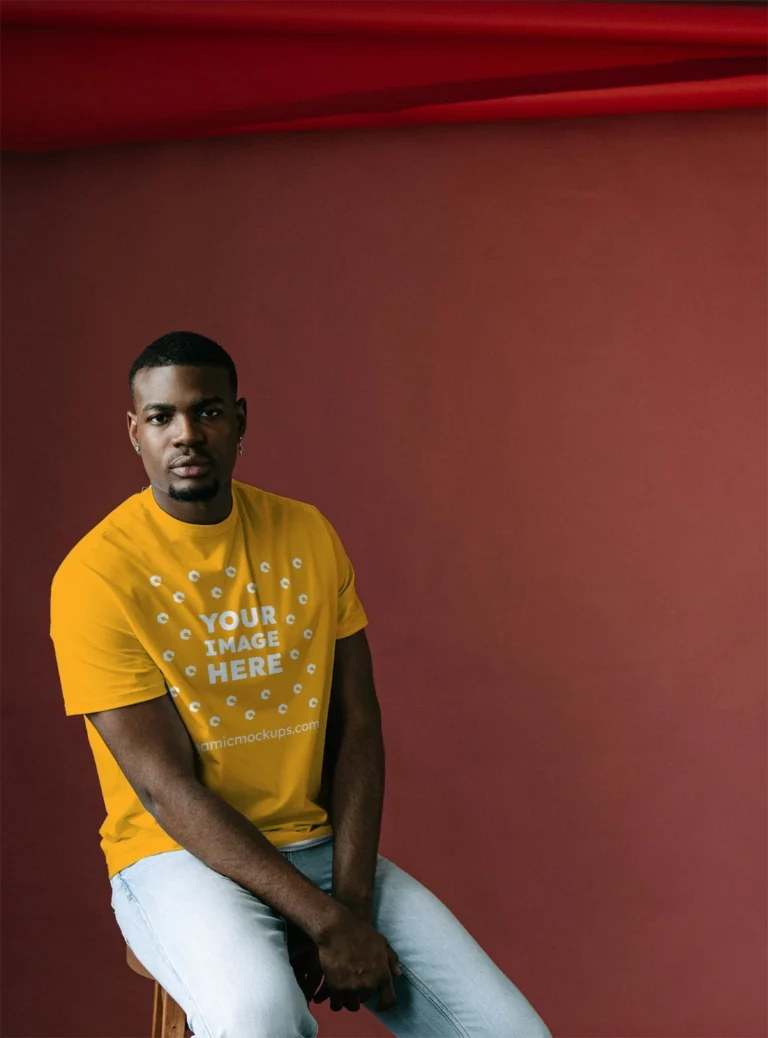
x: 157, y: 1012
x: 174, y: 1018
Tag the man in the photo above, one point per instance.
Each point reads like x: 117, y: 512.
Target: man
x: 211, y: 634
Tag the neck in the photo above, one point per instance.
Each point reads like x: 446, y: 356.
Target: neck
x: 202, y: 513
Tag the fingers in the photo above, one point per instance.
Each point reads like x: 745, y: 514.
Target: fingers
x: 308, y: 973
x: 342, y: 999
x: 323, y: 993
x: 312, y: 979
x: 394, y: 962
x: 386, y: 995
x: 352, y: 1001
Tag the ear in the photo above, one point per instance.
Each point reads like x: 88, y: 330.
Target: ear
x: 132, y: 426
x: 242, y: 415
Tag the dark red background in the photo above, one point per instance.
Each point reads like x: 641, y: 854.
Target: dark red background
x: 522, y: 368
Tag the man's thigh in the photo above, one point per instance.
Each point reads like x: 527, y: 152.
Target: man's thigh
x: 217, y: 949
x: 450, y: 987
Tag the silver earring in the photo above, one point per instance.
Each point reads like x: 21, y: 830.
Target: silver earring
x: 137, y: 447
x: 240, y: 445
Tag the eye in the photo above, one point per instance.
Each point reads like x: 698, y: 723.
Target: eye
x: 208, y: 410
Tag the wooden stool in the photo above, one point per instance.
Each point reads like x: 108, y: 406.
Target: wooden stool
x: 168, y: 1018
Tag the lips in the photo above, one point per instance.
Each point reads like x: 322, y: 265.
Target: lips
x: 193, y: 462
x: 191, y: 468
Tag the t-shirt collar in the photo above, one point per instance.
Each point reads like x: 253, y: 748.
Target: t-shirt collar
x: 179, y: 528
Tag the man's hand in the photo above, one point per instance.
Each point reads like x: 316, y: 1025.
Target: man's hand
x: 305, y: 959
x: 355, y: 961
x: 303, y: 956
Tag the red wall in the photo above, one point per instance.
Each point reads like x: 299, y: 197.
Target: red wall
x: 522, y: 368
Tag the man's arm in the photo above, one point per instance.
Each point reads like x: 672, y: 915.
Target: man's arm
x: 357, y: 776
x: 154, y: 750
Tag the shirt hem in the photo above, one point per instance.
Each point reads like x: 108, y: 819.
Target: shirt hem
x: 306, y: 844
x: 116, y: 863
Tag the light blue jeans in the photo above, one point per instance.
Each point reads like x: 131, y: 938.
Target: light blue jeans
x: 221, y: 953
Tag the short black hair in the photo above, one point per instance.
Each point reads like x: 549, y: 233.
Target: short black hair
x: 184, y: 348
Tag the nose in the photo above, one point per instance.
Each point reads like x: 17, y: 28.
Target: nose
x: 186, y: 431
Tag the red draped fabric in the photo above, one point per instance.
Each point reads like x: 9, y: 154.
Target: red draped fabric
x: 77, y: 73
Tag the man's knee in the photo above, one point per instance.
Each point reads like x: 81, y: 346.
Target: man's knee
x: 254, y: 1014
x: 526, y: 1023
x: 540, y: 1029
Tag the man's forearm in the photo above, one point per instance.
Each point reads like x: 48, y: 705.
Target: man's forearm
x: 356, y: 808
x: 221, y: 837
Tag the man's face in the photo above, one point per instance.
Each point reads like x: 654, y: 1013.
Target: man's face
x: 186, y: 413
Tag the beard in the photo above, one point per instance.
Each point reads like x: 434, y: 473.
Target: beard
x: 195, y: 491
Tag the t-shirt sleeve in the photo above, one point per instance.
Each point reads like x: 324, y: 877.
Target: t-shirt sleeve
x: 350, y: 616
x: 101, y: 662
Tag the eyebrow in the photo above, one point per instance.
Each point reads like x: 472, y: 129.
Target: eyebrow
x: 195, y: 403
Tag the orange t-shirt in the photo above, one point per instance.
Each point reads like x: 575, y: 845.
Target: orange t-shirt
x: 237, y: 621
